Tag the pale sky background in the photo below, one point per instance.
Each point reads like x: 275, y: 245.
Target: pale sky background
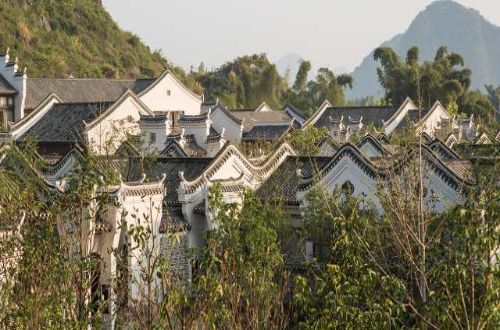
x: 334, y: 33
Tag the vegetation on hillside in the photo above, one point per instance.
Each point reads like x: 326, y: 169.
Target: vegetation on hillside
x: 79, y: 38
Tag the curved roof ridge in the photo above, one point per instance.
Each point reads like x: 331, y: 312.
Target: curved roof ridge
x: 229, y: 150
x: 377, y: 170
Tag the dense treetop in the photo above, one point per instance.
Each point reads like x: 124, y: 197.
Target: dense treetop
x: 446, y: 79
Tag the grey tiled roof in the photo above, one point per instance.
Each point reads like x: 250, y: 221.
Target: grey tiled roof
x: 282, y: 184
x: 252, y: 118
x: 266, y: 132
x: 214, y: 136
x: 173, y: 220
x: 371, y: 115
x: 81, y: 90
x: 327, y: 146
x: 154, y: 169
x: 190, y: 119
x: 157, y: 118
x: 461, y: 167
x: 64, y: 122
x: 296, y: 112
x: 5, y: 87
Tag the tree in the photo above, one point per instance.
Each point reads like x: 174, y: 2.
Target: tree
x: 444, y: 79
x: 241, y: 274
x: 301, y: 77
x: 344, y: 288
x: 244, y: 83
x: 309, y: 95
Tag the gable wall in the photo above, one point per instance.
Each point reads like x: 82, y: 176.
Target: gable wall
x: 108, y: 135
x: 434, y: 118
x: 233, y: 131
x: 401, y: 114
x: 157, y: 99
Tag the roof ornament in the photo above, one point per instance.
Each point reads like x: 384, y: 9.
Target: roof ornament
x: 183, y: 131
x: 61, y: 185
x: 298, y: 171
x: 181, y: 177
x: 143, y: 178
x: 223, y: 132
x: 209, y: 112
x: 163, y: 177
x: 7, y: 51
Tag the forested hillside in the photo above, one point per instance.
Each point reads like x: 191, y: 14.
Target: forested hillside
x: 56, y: 38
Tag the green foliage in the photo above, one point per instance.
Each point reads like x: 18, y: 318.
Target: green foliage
x: 245, y: 82
x: 244, y: 264
x: 465, y: 276
x: 304, y: 141
x: 309, y: 96
x: 370, y: 269
x: 79, y: 38
x: 444, y: 79
x: 494, y: 96
x: 346, y: 289
x: 301, y: 78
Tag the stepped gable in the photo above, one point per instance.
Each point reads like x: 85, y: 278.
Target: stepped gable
x: 371, y: 115
x: 456, y: 173
x: 72, y: 90
x: 65, y: 122
x: 154, y: 169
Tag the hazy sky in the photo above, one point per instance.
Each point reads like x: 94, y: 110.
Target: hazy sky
x: 334, y: 33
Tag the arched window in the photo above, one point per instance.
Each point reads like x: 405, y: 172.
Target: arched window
x: 347, y: 188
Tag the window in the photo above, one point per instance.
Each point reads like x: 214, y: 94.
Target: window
x: 169, y: 92
x: 348, y: 188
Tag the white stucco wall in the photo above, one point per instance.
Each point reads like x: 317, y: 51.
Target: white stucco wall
x: 433, y: 118
x: 106, y: 136
x: 443, y: 196
x: 233, y: 131
x: 399, y: 116
x: 169, y: 95
x: 154, y: 137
